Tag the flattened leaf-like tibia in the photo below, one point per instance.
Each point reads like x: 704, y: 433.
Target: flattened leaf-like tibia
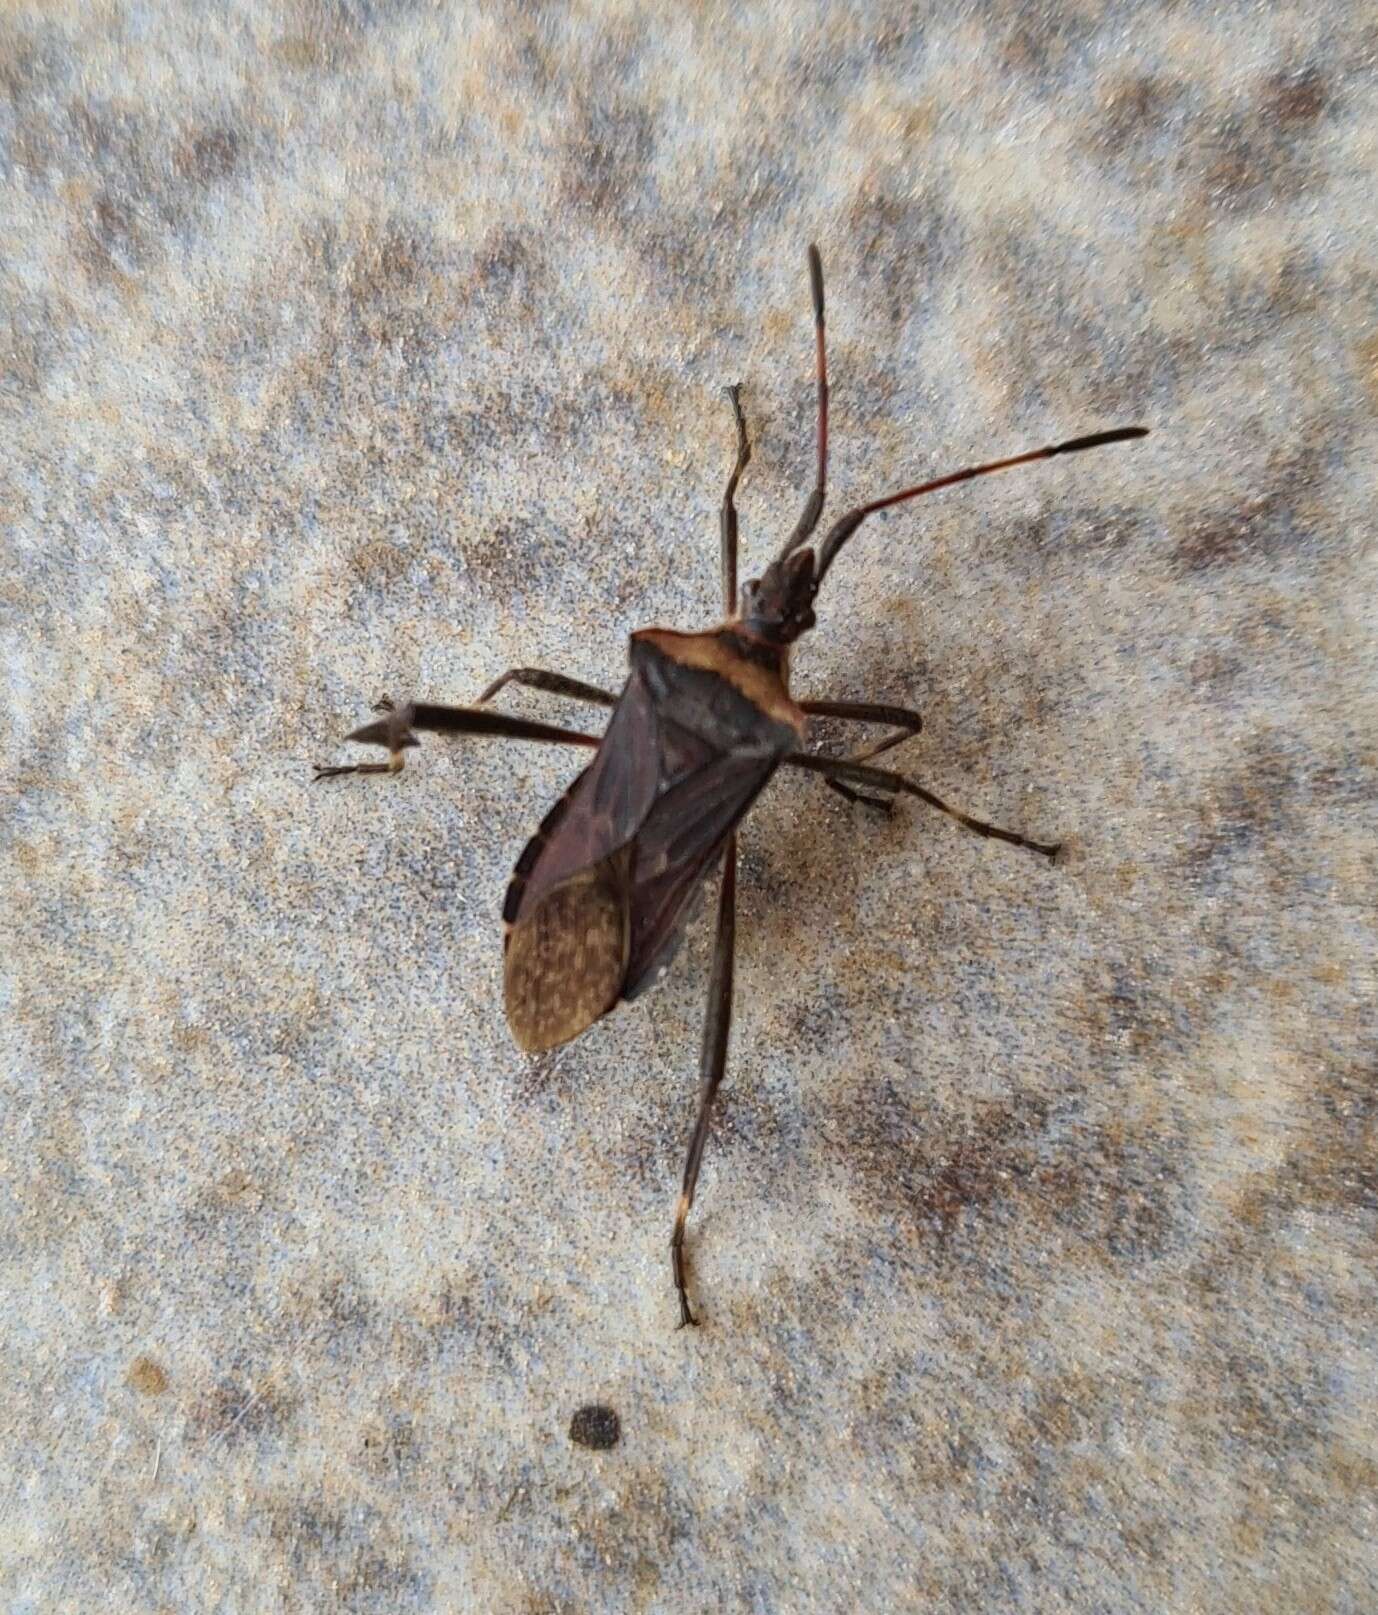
x: 566, y: 958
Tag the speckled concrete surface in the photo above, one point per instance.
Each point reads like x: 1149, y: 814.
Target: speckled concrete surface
x: 353, y: 348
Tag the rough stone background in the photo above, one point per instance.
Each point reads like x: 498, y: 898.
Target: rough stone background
x: 359, y: 347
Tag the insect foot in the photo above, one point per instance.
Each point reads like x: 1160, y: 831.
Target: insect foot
x: 393, y: 730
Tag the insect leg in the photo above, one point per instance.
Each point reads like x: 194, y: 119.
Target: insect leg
x: 883, y: 780
x: 867, y: 712
x: 728, y: 515
x: 712, y: 1063
x: 396, y: 730
x: 813, y: 506
x: 910, y: 723
x: 540, y: 678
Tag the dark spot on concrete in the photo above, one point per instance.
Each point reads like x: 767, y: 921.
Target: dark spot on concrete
x: 517, y: 555
x: 1252, y: 156
x: 502, y: 257
x: 1084, y: 533
x: 511, y: 279
x: 817, y: 1017
x: 903, y: 244
x: 966, y: 1177
x: 1137, y: 117
x: 390, y: 1445
x: 327, y: 35
x: 111, y: 241
x: 648, y: 1147
x: 608, y: 151
x: 1297, y: 98
x: 237, y: 1409
x: 533, y: 1603
x: 209, y: 155
x: 906, y: 1171
x: 378, y: 564
x: 143, y: 180
x: 33, y: 341
x: 1258, y: 813
x: 596, y: 1427
x: 1240, y: 174
x: 1022, y: 1167
x: 106, y: 137
x: 671, y: 245
x: 148, y: 1376
x: 307, y: 53
x: 1130, y: 1010
x: 1252, y: 802
x: 217, y: 1204
x: 355, y: 1551
x: 748, y: 1124
x: 1216, y: 538
x: 387, y: 282
x: 548, y: 1078
x: 1257, y: 300
x: 1283, y: 1413
x: 1217, y: 668
x: 1341, y: 1166
x: 32, y: 68
x: 345, y: 1305
x: 1042, y: 47
x: 1277, y: 519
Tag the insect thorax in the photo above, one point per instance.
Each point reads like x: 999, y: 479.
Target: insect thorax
x: 723, y: 684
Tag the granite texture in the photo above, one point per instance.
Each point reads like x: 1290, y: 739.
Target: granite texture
x: 354, y: 347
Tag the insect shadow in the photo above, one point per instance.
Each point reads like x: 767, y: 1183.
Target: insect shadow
x: 600, y: 896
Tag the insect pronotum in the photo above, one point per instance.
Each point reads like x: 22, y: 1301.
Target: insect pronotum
x: 601, y: 893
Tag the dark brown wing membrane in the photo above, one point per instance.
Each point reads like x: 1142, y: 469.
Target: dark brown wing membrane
x: 521, y: 871
x: 568, y: 904
x: 676, y: 848
x: 600, y: 812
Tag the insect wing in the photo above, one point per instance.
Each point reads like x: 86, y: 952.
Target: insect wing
x: 676, y: 848
x: 568, y: 904
x: 566, y: 959
x: 600, y: 812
